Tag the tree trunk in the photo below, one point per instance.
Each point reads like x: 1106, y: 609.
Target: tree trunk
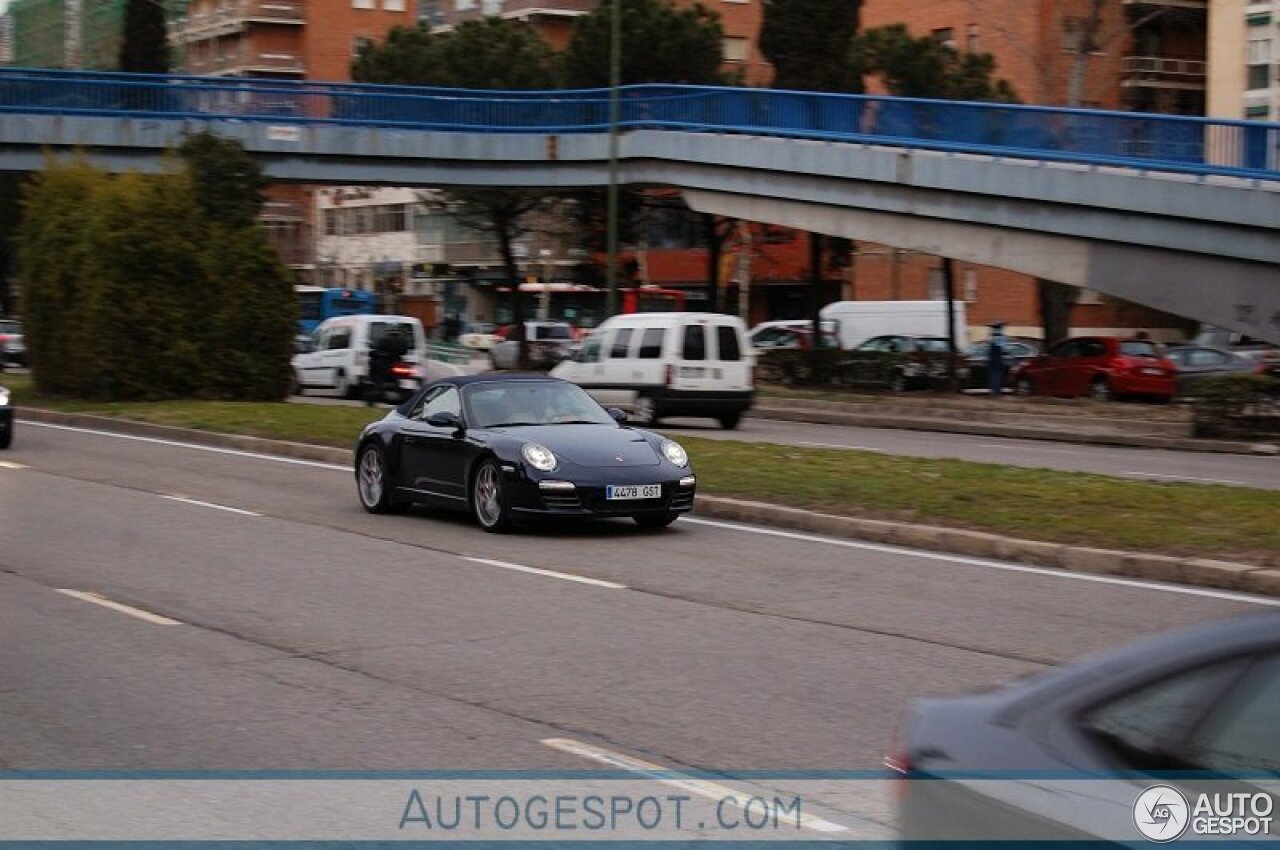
x: 715, y: 247
x: 502, y: 229
x: 1056, y: 303
x: 949, y: 281
x: 815, y: 304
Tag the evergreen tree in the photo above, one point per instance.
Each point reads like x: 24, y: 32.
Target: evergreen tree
x: 488, y: 53
x: 229, y: 183
x: 925, y: 67
x: 808, y: 43
x: 144, y: 49
x: 660, y: 44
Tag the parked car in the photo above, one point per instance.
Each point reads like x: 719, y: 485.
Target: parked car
x: 6, y: 417
x: 1197, y: 362
x: 506, y: 447
x: 480, y: 336
x: 1017, y: 352
x: 549, y: 343
x: 1200, y: 699
x: 900, y: 362
x: 776, y: 334
x: 667, y: 364
x: 858, y: 321
x: 790, y: 339
x: 1101, y: 367
x: 13, y: 348
x: 337, y: 359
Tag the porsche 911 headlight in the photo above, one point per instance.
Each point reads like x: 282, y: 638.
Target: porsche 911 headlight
x: 539, y: 457
x: 4, y: 397
x: 675, y: 453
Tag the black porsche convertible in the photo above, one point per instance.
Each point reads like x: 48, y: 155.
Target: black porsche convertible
x: 511, y: 446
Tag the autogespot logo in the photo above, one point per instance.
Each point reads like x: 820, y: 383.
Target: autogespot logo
x: 1161, y: 813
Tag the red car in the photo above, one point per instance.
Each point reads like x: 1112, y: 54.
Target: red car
x: 1101, y: 367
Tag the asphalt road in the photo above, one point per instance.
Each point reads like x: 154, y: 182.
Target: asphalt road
x: 312, y: 635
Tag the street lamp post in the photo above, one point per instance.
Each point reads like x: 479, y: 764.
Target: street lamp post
x: 615, y: 116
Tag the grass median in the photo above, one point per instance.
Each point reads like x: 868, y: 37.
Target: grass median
x: 1230, y: 523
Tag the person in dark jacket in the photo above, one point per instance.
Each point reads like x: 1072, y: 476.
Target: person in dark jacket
x: 995, y: 360
x: 388, y: 348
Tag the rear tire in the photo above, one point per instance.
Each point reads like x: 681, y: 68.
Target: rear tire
x: 645, y: 412
x: 6, y: 438
x: 655, y: 521
x: 730, y: 421
x: 342, y: 386
x: 1100, y: 390
x: 898, y: 383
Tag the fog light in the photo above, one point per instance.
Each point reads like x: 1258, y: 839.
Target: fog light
x: 556, y: 486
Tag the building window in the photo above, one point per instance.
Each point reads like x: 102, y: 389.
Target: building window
x: 362, y: 4
x: 736, y: 49
x: 970, y: 286
x: 944, y: 36
x: 393, y: 5
x: 973, y: 39
x: 1073, y: 34
x: 359, y: 43
x: 1259, y: 61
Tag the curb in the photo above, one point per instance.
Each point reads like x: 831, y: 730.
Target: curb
x: 1201, y: 572
x: 1020, y: 432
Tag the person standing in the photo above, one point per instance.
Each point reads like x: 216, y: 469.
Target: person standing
x: 996, y: 366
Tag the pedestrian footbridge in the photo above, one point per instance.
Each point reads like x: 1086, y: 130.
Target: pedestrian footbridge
x: 1178, y: 213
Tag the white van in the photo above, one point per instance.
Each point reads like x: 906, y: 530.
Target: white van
x: 337, y: 358
x: 667, y: 364
x: 858, y: 321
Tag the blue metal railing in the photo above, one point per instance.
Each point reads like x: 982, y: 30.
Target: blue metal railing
x: 1126, y: 139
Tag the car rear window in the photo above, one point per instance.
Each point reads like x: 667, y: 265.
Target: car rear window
x: 727, y: 339
x: 934, y: 346
x: 695, y: 343
x: 651, y: 343
x: 380, y: 330
x: 1138, y: 348
x: 552, y: 332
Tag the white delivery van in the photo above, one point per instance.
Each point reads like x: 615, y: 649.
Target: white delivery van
x: 858, y: 321
x: 337, y: 357
x: 667, y: 364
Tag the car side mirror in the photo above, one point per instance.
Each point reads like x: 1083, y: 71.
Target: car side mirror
x: 619, y: 415
x: 444, y: 419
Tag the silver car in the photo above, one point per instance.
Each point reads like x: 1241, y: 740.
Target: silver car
x: 13, y: 348
x: 549, y: 343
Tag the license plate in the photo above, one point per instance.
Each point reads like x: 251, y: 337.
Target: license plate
x: 617, y: 492
x: 1152, y: 372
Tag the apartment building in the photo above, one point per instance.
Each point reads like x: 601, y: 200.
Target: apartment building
x: 62, y: 34
x: 284, y: 39
x: 1244, y: 59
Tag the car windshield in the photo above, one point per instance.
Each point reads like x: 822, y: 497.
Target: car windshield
x: 10, y: 327
x: 512, y: 403
x: 378, y: 331
x: 1138, y: 348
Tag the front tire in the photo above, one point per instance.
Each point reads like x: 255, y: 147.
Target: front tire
x: 655, y: 521
x: 730, y: 421
x: 489, y: 498
x: 6, y: 439
x: 373, y: 484
x: 898, y: 383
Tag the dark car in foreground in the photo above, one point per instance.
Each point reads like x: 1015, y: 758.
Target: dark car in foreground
x: 6, y: 418
x: 1070, y: 753
x: 1195, y: 363
x: 1101, y: 367
x: 505, y: 447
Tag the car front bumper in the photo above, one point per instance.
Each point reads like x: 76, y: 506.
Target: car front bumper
x: 6, y: 419
x: 558, y: 497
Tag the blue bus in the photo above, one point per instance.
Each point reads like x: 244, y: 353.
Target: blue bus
x: 315, y: 304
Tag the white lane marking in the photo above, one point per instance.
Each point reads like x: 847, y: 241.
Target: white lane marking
x: 1185, y: 478
x: 792, y: 535
x: 990, y: 565
x: 185, y: 500
x: 196, y: 446
x: 1038, y: 449
x: 99, y: 599
x: 701, y: 787
x: 840, y: 446
x: 520, y: 568
x: 8, y: 464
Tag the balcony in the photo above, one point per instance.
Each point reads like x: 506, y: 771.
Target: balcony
x: 1164, y: 72
x: 1147, y: 6
x: 246, y: 62
x: 235, y: 16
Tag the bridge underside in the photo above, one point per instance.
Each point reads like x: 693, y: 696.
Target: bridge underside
x: 1205, y: 248
x: 1217, y: 290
